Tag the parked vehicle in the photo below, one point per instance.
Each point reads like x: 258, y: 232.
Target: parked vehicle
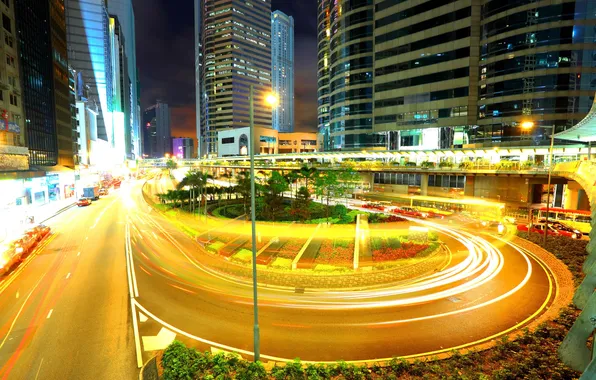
x: 91, y: 193
x: 83, y: 202
x: 8, y: 257
x: 411, y: 211
x: 38, y: 232
x: 103, y: 191
x: 539, y: 228
x: 562, y: 227
x: 25, y: 244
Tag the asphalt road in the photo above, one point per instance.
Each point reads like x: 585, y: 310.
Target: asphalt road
x: 65, y: 312
x: 179, y: 297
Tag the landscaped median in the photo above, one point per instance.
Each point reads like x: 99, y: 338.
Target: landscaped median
x: 527, y: 354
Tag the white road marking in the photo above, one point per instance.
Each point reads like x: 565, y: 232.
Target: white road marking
x: 39, y: 369
x: 135, y: 329
x: 87, y: 238
x: 17, y: 295
x: 159, y: 341
x: 19, y: 313
x: 68, y: 276
x: 143, y: 317
x: 50, y: 313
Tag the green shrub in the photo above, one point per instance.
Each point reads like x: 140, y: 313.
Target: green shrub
x: 393, y: 242
x: 410, y: 163
x: 428, y: 164
x: 445, y: 164
x: 433, y: 236
x: 339, y: 211
x: 466, y: 165
x: 179, y: 362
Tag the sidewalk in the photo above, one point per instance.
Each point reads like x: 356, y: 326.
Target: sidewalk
x: 16, y: 220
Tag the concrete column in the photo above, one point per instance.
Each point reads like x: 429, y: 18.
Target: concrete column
x: 469, y: 187
x: 571, y: 195
x: 424, y: 184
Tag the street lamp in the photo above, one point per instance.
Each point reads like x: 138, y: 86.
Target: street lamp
x: 529, y: 125
x: 272, y: 101
x: 550, y: 168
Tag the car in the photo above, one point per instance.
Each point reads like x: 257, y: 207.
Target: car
x: 25, y: 244
x: 103, y: 191
x: 83, y: 202
x: 410, y: 211
x: 373, y: 206
x: 561, y: 227
x: 539, y: 228
x: 496, y: 226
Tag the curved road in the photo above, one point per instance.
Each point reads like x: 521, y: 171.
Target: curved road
x: 66, y: 312
x: 490, y: 287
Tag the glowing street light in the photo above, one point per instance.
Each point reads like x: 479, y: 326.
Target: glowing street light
x: 271, y: 100
x: 527, y: 125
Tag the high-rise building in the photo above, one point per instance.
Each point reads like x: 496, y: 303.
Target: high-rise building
x: 157, y: 135
x: 282, y: 70
x: 121, y: 118
x: 199, y: 89
x: 13, y: 152
x: 41, y: 36
x: 124, y: 11
x: 439, y: 74
x: 182, y: 147
x: 236, y: 53
x: 89, y: 52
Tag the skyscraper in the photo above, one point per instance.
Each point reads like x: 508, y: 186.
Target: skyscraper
x: 157, y: 135
x: 236, y: 53
x: 282, y: 70
x: 124, y: 11
x: 121, y: 117
x: 439, y: 74
x: 41, y: 30
x: 87, y: 26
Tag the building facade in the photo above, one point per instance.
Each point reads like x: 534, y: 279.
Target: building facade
x: 46, y: 94
x: 282, y: 70
x: 124, y: 12
x: 157, y: 138
x: 183, y: 147
x: 121, y: 116
x: 14, y: 154
x: 235, y: 44
x: 235, y: 142
x: 89, y: 52
x: 457, y: 73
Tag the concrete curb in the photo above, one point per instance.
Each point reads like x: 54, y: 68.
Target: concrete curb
x: 59, y: 212
x: 149, y: 370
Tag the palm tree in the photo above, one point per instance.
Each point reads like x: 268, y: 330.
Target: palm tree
x: 193, y: 180
x: 292, y: 178
x: 307, y: 173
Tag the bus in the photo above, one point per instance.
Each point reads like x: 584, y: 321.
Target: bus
x: 473, y: 207
x: 578, y: 219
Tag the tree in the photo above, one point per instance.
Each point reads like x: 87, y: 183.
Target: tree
x: 243, y: 188
x: 300, y: 206
x: 171, y: 165
x: 307, y: 173
x: 292, y: 178
x: 274, y: 188
x: 326, y: 186
x: 194, y: 179
x: 347, y: 178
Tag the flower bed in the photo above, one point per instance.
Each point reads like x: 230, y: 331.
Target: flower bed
x: 291, y: 248
x: 336, y: 252
x: 393, y: 249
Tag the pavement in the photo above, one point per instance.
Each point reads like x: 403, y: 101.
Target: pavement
x: 117, y: 281
x: 65, y: 312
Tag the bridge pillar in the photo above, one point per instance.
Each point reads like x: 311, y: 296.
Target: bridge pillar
x: 424, y: 184
x: 469, y: 186
x: 572, y: 195
x: 573, y: 351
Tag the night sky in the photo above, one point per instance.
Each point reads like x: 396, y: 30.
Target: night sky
x: 165, y: 59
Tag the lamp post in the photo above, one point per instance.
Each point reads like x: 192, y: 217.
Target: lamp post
x: 271, y: 100
x: 550, y: 168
